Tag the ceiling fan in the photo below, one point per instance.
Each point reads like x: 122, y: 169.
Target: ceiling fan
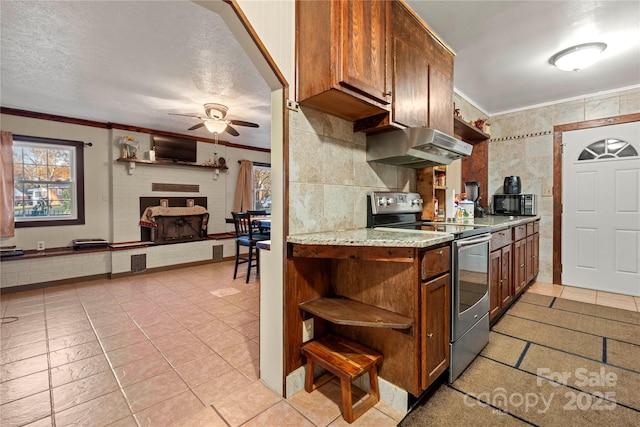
x: 216, y: 121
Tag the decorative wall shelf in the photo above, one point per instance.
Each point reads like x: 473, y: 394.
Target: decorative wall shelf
x: 468, y: 133
x: 132, y: 164
x: 170, y: 163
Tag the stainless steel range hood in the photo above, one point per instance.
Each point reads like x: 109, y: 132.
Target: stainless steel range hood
x: 415, y: 148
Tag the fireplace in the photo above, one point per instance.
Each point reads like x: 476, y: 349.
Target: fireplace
x: 176, y: 223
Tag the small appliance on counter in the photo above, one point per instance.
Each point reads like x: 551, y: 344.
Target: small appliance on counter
x: 512, y: 185
x: 473, y: 193
x: 515, y: 204
x: 450, y: 208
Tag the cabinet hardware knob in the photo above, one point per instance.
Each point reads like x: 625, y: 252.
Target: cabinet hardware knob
x: 387, y: 93
x: 440, y: 252
x: 430, y: 336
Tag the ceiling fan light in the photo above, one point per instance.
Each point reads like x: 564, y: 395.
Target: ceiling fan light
x: 215, y: 126
x: 577, y: 57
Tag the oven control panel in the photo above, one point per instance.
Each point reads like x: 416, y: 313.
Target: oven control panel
x: 394, y: 202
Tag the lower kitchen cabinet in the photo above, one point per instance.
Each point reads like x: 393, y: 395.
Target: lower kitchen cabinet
x: 519, y: 265
x: 346, y: 288
x: 435, y: 323
x: 500, y: 280
x: 513, y: 264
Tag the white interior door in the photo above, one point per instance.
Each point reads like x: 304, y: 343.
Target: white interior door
x: 601, y: 208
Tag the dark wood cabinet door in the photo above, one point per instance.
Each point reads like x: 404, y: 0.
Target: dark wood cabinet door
x: 364, y: 42
x: 410, y: 85
x: 495, y: 282
x: 535, y: 250
x: 529, y: 259
x: 506, y: 287
x: 440, y: 101
x: 519, y: 262
x: 435, y: 328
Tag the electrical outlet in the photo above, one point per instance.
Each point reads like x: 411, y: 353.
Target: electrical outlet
x: 293, y: 105
x: 40, y: 246
x: 307, y: 330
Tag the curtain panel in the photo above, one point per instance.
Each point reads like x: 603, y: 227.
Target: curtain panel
x: 7, y: 223
x: 243, y: 199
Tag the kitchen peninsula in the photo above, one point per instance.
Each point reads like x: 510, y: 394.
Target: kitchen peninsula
x: 384, y: 270
x: 403, y: 273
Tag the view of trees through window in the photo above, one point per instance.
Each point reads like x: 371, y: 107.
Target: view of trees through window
x: 262, y: 187
x: 43, y: 180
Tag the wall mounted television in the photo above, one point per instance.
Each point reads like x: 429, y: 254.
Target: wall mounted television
x: 175, y: 149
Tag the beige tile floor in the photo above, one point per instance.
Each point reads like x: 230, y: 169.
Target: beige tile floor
x: 179, y: 348
x: 625, y: 302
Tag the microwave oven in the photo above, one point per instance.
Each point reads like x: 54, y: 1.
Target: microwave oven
x: 514, y: 204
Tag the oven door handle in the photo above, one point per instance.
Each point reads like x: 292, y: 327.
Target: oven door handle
x: 466, y: 242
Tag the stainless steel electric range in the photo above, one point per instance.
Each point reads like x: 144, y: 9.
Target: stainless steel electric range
x: 469, y: 270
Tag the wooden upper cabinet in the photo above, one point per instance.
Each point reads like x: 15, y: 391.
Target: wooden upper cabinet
x: 410, y: 88
x: 421, y: 78
x: 373, y: 62
x: 343, y: 57
x: 364, y: 32
x: 440, y: 101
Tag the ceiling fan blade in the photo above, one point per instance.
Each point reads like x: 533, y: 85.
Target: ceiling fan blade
x: 194, y: 127
x: 186, y: 115
x: 243, y: 123
x: 231, y: 131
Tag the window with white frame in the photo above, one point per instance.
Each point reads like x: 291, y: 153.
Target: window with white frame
x: 48, y: 182
x: 262, y: 187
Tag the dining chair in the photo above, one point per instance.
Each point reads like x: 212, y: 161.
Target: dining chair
x: 247, y: 237
x: 259, y: 227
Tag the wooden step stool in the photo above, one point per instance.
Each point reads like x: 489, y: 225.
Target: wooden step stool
x: 347, y: 360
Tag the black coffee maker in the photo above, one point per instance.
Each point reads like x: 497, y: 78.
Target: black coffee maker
x: 473, y: 193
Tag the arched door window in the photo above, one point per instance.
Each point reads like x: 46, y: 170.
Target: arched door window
x: 609, y: 148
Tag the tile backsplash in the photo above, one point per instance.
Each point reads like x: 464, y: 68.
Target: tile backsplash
x: 329, y: 176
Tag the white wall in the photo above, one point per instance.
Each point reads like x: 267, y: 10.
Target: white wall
x: 112, y: 206
x: 97, y: 188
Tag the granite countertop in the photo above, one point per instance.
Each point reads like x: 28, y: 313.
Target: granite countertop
x: 373, y: 237
x: 500, y: 222
x: 402, y: 238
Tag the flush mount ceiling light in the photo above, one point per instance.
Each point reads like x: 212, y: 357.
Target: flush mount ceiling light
x: 577, y: 57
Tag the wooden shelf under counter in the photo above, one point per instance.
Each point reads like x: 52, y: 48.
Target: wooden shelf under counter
x: 344, y: 311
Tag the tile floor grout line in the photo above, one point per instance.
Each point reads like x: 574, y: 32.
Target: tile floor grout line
x: 46, y: 337
x: 104, y: 354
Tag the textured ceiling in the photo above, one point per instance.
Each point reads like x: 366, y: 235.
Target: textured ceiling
x: 503, y: 48
x: 131, y: 63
